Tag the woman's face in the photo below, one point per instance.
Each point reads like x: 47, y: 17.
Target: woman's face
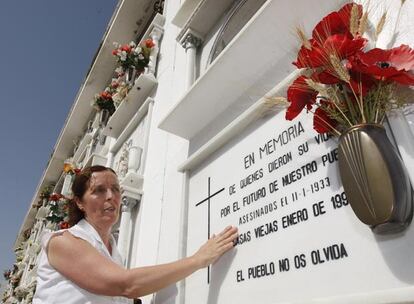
x: 102, y: 200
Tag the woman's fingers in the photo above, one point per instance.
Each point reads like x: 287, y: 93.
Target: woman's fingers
x: 216, y: 246
x: 228, y: 228
x: 232, y: 236
x: 228, y: 234
x: 230, y: 239
x: 226, y: 247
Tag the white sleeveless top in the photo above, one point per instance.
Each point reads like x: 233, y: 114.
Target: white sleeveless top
x: 52, y: 287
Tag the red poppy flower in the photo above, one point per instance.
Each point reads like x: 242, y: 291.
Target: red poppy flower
x: 149, y: 43
x: 63, y: 225
x: 325, y: 77
x: 335, y: 23
x: 312, y: 57
x: 300, y: 95
x: 361, y: 83
x: 342, y: 45
x: 330, y: 25
x: 322, y: 123
x: 114, y: 52
x: 345, y: 13
x: 331, y: 35
x: 396, y: 64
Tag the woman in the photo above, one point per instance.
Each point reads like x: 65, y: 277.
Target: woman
x: 82, y: 265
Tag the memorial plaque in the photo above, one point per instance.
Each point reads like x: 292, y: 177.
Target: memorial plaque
x: 299, y: 239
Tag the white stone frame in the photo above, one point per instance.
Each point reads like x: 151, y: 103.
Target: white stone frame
x: 132, y: 183
x: 178, y: 122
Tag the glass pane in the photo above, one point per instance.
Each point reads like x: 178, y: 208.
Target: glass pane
x: 238, y: 16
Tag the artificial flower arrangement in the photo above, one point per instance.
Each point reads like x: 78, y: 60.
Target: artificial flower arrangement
x: 133, y: 55
x: 132, y: 60
x: 119, y: 87
x: 120, y: 93
x: 349, y: 87
x: 7, y: 274
x: 109, y: 99
x: 58, y: 208
x: 104, y: 101
x: 44, y: 194
x: 345, y: 83
x: 58, y: 205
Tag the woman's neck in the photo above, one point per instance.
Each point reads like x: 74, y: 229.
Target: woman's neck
x: 104, y: 233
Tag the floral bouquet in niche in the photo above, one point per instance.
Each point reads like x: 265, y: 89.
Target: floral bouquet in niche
x: 7, y: 274
x: 119, y: 87
x: 58, y: 206
x: 103, y: 101
x: 133, y: 55
x: 349, y: 86
x: 346, y: 83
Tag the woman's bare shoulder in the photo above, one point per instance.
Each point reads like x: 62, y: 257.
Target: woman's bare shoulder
x: 80, y: 262
x: 66, y: 243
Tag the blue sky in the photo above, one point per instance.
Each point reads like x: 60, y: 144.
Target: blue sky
x: 46, y: 49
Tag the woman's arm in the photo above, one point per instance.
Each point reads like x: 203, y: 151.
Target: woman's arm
x: 77, y: 260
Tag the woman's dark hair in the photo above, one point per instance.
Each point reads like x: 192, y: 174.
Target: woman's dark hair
x: 79, y: 187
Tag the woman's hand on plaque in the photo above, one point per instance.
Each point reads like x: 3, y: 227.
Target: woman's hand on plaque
x: 216, y: 246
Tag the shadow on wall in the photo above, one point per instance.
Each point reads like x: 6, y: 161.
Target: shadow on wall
x: 167, y: 295
x: 217, y: 277
x: 395, y: 249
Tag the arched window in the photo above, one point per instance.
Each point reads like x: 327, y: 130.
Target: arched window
x: 237, y: 17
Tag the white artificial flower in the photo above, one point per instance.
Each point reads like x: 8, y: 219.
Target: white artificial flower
x: 138, y: 50
x: 132, y: 44
x: 117, y: 98
x: 141, y: 57
x: 119, y: 70
x: 116, y: 44
x: 123, y: 56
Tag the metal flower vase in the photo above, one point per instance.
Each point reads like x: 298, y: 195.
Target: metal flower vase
x: 104, y: 115
x: 375, y: 179
x: 130, y: 75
